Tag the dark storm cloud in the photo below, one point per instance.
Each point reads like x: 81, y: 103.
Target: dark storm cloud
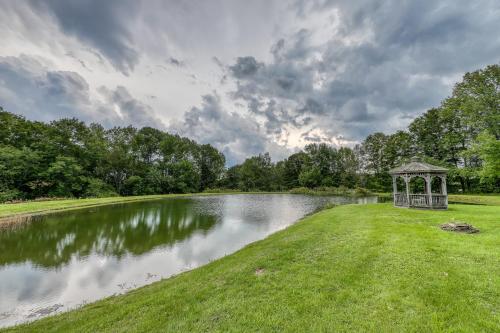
x: 176, y: 62
x: 27, y: 87
x: 386, y: 62
x: 245, y: 67
x: 236, y: 136
x: 102, y: 24
x: 80, y: 61
x: 230, y: 132
x: 313, y: 138
x: 275, y: 91
x: 133, y: 112
x: 312, y: 106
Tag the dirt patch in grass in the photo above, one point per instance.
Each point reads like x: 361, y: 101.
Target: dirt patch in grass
x: 459, y: 227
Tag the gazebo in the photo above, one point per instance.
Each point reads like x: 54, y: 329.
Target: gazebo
x: 416, y: 168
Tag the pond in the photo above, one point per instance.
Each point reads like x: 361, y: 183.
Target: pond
x: 61, y: 261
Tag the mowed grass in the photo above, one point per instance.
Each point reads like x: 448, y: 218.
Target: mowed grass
x: 475, y: 199
x: 348, y: 269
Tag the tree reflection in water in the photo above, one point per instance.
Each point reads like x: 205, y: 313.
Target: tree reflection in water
x: 133, y: 228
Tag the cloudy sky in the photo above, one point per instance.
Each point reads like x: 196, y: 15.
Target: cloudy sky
x: 245, y: 76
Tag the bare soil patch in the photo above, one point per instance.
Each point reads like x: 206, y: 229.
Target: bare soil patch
x: 459, y: 227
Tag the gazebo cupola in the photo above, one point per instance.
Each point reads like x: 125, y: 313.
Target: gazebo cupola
x: 431, y: 174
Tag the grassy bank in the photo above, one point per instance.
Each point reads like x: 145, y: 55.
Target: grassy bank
x: 335, y: 191
x: 38, y: 207
x: 475, y: 199
x: 41, y: 207
x: 350, y: 268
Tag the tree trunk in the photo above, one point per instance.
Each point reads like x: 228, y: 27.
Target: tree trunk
x: 462, y: 184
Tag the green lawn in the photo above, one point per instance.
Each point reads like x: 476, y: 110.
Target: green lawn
x: 475, y: 199
x: 351, y: 268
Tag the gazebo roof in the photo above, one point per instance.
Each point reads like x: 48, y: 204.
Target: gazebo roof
x: 417, y: 166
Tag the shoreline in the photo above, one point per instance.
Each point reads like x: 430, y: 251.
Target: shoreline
x: 16, y: 213
x: 66, y: 205
x: 11, y: 212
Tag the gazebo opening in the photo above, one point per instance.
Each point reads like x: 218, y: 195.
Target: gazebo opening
x: 417, y: 185
x: 400, y: 183
x: 436, y: 185
x: 423, y: 185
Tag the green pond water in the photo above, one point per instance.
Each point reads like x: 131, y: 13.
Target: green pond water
x: 57, y: 262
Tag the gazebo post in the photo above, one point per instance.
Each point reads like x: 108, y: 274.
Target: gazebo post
x: 394, y: 189
x: 407, y: 181
x: 428, y: 189
x: 444, y: 191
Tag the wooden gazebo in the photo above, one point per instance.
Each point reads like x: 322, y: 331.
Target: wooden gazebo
x: 417, y: 168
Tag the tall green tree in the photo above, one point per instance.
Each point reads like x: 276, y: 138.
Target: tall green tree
x: 487, y: 147
x: 65, y: 177
x: 211, y: 164
x: 348, y: 166
x: 293, y: 167
x: 255, y: 173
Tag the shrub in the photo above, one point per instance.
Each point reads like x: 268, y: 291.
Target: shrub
x: 133, y: 185
x: 97, y: 188
x: 360, y: 191
x: 10, y: 195
x: 326, y: 190
x: 220, y: 190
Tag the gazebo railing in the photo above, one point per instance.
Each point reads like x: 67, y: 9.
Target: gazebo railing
x: 420, y: 200
x: 439, y: 200
x: 400, y: 199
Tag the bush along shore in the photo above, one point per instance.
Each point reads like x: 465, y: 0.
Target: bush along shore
x: 334, y: 191
x: 350, y: 268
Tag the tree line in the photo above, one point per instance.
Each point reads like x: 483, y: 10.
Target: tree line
x: 462, y: 134
x: 68, y: 158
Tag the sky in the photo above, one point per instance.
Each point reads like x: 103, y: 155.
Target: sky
x: 245, y: 76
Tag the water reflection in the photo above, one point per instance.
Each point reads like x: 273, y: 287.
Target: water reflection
x: 108, y: 231
x: 63, y: 260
